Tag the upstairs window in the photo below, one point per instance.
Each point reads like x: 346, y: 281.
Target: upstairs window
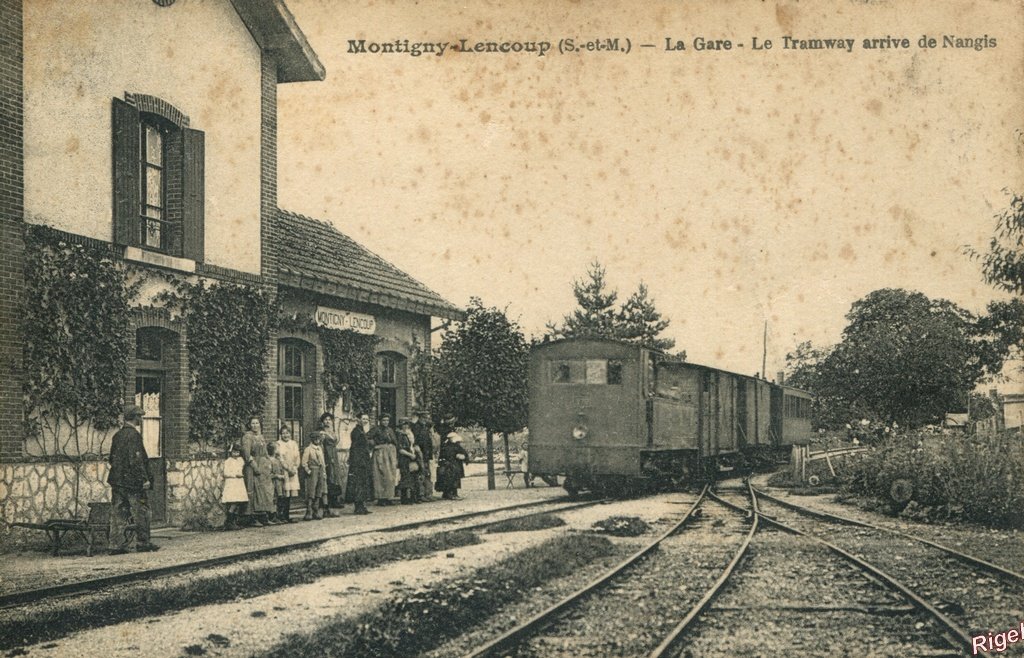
x: 158, y: 178
x: 153, y: 194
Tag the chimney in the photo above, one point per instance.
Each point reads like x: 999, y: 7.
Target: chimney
x: 993, y: 393
x: 782, y: 377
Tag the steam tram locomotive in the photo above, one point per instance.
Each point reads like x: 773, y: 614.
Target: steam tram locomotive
x: 612, y: 416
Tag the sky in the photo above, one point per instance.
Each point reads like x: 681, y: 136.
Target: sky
x: 740, y: 185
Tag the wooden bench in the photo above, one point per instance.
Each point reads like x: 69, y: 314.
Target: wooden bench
x: 97, y: 526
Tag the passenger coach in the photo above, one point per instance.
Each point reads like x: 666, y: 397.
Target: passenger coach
x: 612, y: 416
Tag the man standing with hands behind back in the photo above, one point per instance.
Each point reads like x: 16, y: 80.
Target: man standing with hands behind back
x: 129, y: 479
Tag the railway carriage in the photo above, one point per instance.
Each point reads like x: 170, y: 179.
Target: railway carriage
x: 610, y: 416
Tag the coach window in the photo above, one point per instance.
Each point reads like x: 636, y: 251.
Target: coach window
x: 615, y: 372
x: 561, y: 373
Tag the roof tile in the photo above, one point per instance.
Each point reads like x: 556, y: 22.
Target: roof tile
x: 315, y: 249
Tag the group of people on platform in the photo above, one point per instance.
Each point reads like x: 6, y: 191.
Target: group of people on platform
x: 381, y: 463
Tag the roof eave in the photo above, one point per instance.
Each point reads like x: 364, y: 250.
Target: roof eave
x: 273, y: 27
x: 318, y: 285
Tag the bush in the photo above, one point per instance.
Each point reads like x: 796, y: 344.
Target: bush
x: 527, y: 523
x: 939, y: 476
x: 622, y: 526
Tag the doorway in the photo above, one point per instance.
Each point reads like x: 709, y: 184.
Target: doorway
x: 148, y: 395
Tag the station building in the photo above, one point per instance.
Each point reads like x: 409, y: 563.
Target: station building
x: 146, y: 130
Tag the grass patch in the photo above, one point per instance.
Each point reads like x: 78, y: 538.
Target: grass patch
x: 61, y: 619
x: 525, y: 524
x: 622, y: 526
x: 416, y: 623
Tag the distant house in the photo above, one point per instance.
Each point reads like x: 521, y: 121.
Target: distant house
x: 1013, y: 411
x: 955, y: 422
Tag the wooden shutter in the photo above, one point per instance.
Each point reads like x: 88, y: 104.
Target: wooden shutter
x: 126, y: 173
x: 193, y: 194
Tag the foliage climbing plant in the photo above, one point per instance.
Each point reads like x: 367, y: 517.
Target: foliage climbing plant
x: 77, y: 342
x: 228, y: 328
x: 349, y: 363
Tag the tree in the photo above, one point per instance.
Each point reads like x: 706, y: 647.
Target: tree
x: 635, y: 321
x: 904, y: 358
x: 1003, y: 267
x: 1003, y: 263
x: 640, y: 322
x: 803, y: 366
x: 596, y: 315
x: 479, y: 375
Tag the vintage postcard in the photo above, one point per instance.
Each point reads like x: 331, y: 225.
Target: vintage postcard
x: 533, y: 328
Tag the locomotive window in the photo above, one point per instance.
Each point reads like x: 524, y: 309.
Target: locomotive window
x: 615, y: 372
x: 591, y: 371
x: 560, y: 372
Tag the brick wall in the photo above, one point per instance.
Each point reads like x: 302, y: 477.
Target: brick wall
x: 12, y: 208
x: 268, y: 216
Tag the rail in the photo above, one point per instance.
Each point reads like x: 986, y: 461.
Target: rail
x: 541, y: 619
x: 956, y: 635
x: 14, y: 599
x: 964, y: 557
x: 674, y: 636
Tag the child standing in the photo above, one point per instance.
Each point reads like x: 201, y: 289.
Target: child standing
x: 278, y: 476
x: 288, y: 453
x: 316, y: 478
x: 234, y: 496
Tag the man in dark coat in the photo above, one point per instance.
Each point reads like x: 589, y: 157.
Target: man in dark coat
x: 335, y: 475
x: 421, y: 431
x: 359, y: 487
x: 129, y: 479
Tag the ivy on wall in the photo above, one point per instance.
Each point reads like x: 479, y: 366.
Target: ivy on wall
x: 349, y: 361
x: 228, y: 328
x: 77, y: 342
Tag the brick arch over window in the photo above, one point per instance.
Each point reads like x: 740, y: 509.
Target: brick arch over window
x: 159, y: 178
x: 159, y: 107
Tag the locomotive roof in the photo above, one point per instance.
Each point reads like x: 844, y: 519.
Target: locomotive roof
x: 669, y: 359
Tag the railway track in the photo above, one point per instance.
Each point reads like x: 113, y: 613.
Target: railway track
x: 787, y: 585
x: 800, y: 599
x: 636, y: 596
x: 970, y: 596
x: 88, y: 586
x: 960, y: 555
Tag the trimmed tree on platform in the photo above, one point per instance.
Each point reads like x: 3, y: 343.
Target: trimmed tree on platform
x: 479, y: 375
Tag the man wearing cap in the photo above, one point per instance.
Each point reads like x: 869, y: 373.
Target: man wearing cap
x: 128, y: 479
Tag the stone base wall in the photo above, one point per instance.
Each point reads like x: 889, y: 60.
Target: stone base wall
x: 37, y: 491
x: 193, y: 493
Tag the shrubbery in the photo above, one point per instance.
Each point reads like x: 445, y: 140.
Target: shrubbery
x: 937, y: 476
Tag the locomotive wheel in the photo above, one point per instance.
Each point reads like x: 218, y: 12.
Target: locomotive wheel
x: 571, y: 488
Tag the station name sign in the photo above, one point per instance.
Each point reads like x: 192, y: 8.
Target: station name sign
x: 333, y: 318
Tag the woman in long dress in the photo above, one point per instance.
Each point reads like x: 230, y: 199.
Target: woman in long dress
x: 259, y: 484
x: 359, y: 487
x: 385, y: 462
x: 450, y: 470
x: 335, y: 476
